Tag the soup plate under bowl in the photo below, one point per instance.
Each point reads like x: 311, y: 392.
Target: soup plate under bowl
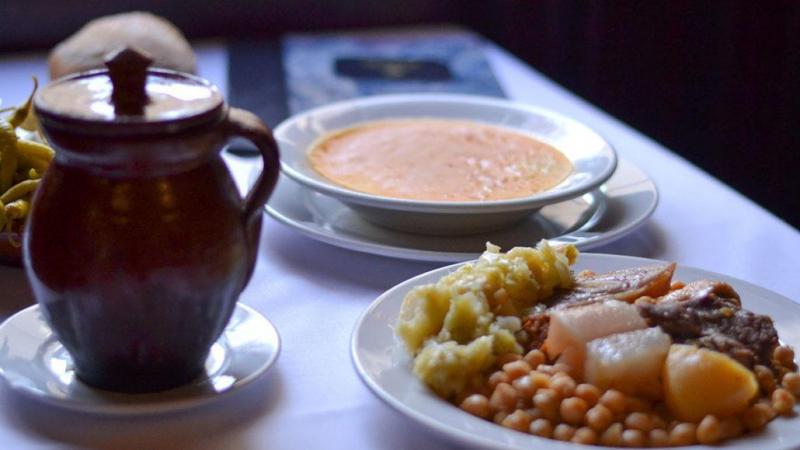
x: 593, y: 159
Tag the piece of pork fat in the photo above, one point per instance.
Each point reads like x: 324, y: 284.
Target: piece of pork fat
x: 626, y: 285
x: 709, y: 314
x: 570, y: 329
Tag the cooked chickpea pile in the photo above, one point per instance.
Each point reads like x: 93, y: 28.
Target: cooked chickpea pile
x: 530, y: 395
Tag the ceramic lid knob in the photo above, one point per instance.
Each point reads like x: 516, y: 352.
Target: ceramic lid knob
x: 129, y: 98
x: 127, y: 68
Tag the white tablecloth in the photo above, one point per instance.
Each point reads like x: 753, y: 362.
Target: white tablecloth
x: 314, y: 293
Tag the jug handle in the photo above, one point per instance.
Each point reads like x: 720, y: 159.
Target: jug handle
x: 241, y: 123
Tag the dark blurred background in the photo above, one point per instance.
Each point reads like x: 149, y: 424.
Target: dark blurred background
x: 718, y: 82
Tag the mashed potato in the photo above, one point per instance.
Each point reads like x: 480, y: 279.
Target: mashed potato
x: 457, y: 325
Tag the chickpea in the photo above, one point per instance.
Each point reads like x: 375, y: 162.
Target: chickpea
x: 635, y: 404
x: 524, y: 386
x: 791, y: 382
x: 658, y: 422
x: 563, y: 432
x: 613, y: 400
x: 766, y: 380
x: 560, y: 368
x: 535, y: 413
x: 585, y: 435
x: 519, y: 420
x: 784, y: 355
x: 684, y: 433
x: 546, y: 400
x: 547, y: 395
x: 546, y: 369
x: 504, y: 398
x: 523, y: 403
x: 539, y: 380
x: 780, y: 373
x: 599, y: 417
x: 516, y: 369
x: 563, y: 384
x: 535, y: 357
x: 731, y: 427
x: 461, y: 396
x: 658, y: 438
x: 633, y: 438
x: 588, y: 392
x: 612, y: 437
x: 541, y: 427
x: 506, y: 358
x: 756, y: 416
x: 499, y: 417
x: 477, y: 405
x: 783, y: 401
x: 639, y: 421
x: 768, y: 410
x: 573, y: 410
x: 709, y: 431
x: 497, y: 378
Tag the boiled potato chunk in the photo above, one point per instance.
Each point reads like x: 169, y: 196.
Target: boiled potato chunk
x: 698, y: 382
x: 630, y: 362
x: 422, y: 315
x: 572, y: 328
x: 462, y: 306
x: 450, y: 368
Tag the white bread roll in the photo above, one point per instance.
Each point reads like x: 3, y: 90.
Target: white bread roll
x: 86, y: 49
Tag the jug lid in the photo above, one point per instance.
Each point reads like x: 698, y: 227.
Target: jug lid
x: 128, y: 96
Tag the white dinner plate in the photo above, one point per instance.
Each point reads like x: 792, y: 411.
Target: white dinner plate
x: 386, y: 368
x: 34, y: 363
x: 592, y: 158
x: 627, y: 199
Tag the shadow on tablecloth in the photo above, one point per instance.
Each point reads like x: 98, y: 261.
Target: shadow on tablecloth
x: 327, y: 263
x: 218, y: 424
x: 403, y: 433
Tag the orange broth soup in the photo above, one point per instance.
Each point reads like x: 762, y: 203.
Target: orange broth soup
x: 438, y: 160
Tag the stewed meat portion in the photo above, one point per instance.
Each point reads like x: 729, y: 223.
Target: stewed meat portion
x: 705, y: 313
x: 589, y: 287
x: 536, y: 325
x: 626, y: 285
x: 709, y: 314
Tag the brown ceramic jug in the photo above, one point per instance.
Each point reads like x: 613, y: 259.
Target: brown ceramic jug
x: 138, y: 243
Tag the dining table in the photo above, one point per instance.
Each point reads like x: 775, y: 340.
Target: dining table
x: 314, y: 293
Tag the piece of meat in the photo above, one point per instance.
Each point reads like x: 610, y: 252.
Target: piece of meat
x: 727, y: 345
x: 536, y: 325
x: 703, y: 288
x: 589, y: 287
x: 709, y: 314
x: 626, y: 285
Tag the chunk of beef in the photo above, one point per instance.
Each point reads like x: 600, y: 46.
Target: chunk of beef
x: 709, y: 314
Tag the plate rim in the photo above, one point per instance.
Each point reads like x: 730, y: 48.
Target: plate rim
x: 152, y: 407
x: 376, y: 248
x: 464, y: 437
x: 514, y: 204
